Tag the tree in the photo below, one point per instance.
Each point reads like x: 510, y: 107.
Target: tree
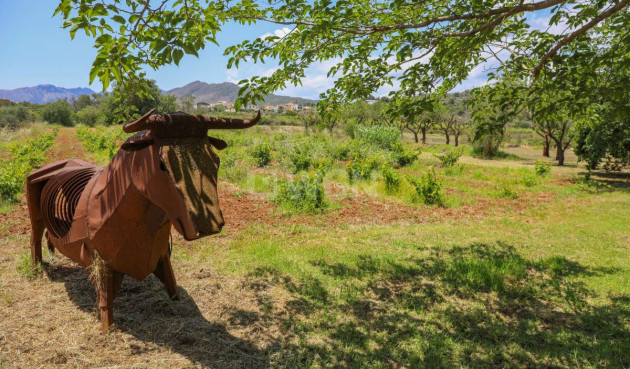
x: 605, y: 135
x: 129, y: 101
x: 58, y: 112
x: 461, y: 125
x: 432, y: 45
x: 12, y: 117
x: 187, y: 103
x: 89, y: 115
x: 416, y: 117
x: 309, y: 118
x: 329, y: 119
x: 82, y: 102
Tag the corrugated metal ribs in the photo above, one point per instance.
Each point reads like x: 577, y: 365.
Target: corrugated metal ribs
x: 60, y: 197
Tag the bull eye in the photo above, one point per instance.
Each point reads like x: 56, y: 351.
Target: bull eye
x: 162, y: 166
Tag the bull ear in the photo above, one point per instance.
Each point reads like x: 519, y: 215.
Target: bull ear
x: 218, y: 143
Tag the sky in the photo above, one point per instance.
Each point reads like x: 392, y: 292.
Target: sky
x: 35, y: 50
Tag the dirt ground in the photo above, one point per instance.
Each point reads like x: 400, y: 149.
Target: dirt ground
x: 220, y: 321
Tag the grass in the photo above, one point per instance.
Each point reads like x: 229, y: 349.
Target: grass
x: 540, y: 280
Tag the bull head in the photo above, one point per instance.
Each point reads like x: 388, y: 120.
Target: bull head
x: 176, y: 167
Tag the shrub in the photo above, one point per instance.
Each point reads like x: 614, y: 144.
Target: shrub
x: 529, y: 179
x: 229, y: 158
x: 450, y: 158
x: 349, y: 129
x: 323, y: 164
x: 381, y: 136
x: 102, y: 142
x: 487, y: 145
x: 58, y: 112
x: 361, y: 168
x: 403, y: 156
x: 301, y: 157
x: 542, y: 168
x: 12, y: 117
x: 304, y: 194
x: 89, y: 116
x: 261, y: 152
x: 341, y: 151
x: 392, y: 180
x: 428, y: 188
x: 25, y: 156
x: 506, y: 191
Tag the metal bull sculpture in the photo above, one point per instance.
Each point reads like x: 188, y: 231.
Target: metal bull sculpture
x: 116, y: 220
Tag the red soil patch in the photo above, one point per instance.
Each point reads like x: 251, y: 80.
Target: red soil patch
x: 68, y: 146
x: 244, y: 210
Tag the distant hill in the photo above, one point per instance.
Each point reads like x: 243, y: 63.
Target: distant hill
x: 43, y: 93
x: 226, y: 91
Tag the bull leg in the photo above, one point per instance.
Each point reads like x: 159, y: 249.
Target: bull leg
x: 164, y: 271
x: 51, y: 247
x: 110, y: 285
x: 37, y: 231
x: 37, y: 222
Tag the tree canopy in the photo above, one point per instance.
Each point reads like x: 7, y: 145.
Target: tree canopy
x: 544, y: 53
x: 419, y: 47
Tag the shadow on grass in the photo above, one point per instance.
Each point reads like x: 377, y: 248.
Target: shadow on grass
x: 477, y: 306
x: 143, y: 309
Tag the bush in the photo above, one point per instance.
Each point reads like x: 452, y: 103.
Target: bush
x: 304, y: 194
x: 361, y: 168
x: 402, y: 156
x: 341, y: 151
x: 261, y: 152
x: 542, y: 168
x: 12, y: 117
x: 301, y: 157
x: 349, y: 129
x: 428, y: 188
x: 529, y: 178
x: 450, y: 158
x: 89, y: 116
x: 391, y: 179
x: 506, y: 191
x: 102, y: 142
x: 58, y: 112
x: 25, y: 156
x: 381, y: 136
x: 487, y: 145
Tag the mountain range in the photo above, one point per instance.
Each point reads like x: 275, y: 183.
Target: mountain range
x: 43, y: 93
x: 206, y: 92
x: 227, y: 91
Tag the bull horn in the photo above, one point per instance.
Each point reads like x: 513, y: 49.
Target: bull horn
x: 230, y: 123
x: 139, y: 124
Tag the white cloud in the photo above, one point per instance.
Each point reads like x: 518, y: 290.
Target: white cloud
x: 542, y: 24
x: 281, y: 32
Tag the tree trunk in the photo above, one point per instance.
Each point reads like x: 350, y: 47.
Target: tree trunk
x: 456, y: 139
x: 546, y: 146
x: 415, y: 136
x: 560, y: 155
x: 424, y: 136
x: 448, y: 138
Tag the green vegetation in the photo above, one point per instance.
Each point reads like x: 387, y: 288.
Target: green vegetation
x: 102, y: 142
x: 449, y: 158
x: 304, y: 194
x: 261, y: 152
x: 428, y: 188
x: 24, y: 157
x: 381, y: 136
x: 542, y: 168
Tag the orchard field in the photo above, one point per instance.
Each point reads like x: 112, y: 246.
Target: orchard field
x: 359, y: 251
